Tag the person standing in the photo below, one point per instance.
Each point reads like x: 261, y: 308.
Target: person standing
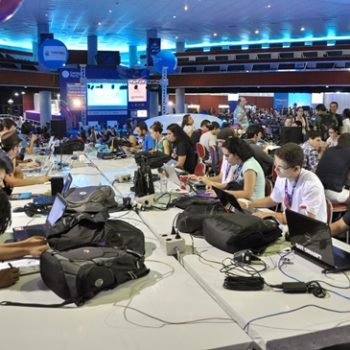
x: 240, y: 117
x: 333, y: 107
x: 324, y: 120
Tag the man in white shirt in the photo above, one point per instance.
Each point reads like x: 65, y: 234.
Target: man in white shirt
x: 296, y: 188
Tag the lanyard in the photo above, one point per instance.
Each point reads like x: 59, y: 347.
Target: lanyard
x: 228, y: 168
x: 288, y: 198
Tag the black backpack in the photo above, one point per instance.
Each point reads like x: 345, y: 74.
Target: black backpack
x: 155, y: 159
x: 143, y: 182
x: 82, y: 229
x: 232, y: 232
x: 70, y: 146
x: 191, y: 219
x: 79, y: 274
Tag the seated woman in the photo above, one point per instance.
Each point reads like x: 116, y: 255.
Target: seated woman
x: 161, y: 143
x: 10, y: 147
x: 248, y: 175
x: 183, y: 149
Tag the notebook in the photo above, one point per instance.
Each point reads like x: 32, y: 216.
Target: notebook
x: 312, y: 239
x: 230, y: 202
x: 56, y: 212
x: 25, y: 265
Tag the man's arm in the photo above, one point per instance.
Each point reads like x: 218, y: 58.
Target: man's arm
x: 339, y: 226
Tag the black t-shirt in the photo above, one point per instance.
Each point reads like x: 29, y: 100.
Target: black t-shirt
x: 185, y: 148
x: 333, y: 168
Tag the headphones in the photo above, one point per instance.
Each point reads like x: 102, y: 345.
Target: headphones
x: 32, y: 209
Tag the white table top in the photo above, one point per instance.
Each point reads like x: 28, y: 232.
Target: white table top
x: 310, y: 328
x: 167, y: 292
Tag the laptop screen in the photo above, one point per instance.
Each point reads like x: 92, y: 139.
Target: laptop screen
x: 310, y: 236
x: 67, y: 183
x: 171, y: 171
x: 57, y: 210
x: 229, y: 201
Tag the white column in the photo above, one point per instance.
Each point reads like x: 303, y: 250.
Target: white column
x: 45, y: 107
x: 180, y: 100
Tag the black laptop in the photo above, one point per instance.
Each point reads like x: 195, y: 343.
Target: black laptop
x: 230, y: 202
x: 312, y: 239
x: 48, y: 200
x: 56, y: 212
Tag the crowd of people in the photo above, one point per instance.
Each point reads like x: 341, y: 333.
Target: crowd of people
x: 304, y: 175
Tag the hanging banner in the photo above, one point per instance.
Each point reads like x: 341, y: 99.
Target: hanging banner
x: 153, y: 47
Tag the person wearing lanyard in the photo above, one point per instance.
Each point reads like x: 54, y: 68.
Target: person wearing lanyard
x: 295, y: 188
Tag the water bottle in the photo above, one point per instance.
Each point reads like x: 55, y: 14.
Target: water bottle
x: 163, y: 183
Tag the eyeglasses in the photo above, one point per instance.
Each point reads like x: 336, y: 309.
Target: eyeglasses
x: 280, y: 167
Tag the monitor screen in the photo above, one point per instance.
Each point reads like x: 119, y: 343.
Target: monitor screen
x: 107, y: 96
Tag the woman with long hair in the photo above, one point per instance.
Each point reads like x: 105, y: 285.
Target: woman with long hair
x: 161, y: 142
x: 248, y: 178
x: 183, y: 149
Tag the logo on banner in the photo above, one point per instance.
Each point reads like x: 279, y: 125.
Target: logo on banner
x: 53, y: 53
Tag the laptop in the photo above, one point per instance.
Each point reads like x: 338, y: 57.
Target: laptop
x: 230, y: 202
x: 56, y: 212
x: 48, y: 200
x: 312, y: 240
x: 174, y: 177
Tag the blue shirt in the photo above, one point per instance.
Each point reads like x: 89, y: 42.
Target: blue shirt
x: 148, y: 142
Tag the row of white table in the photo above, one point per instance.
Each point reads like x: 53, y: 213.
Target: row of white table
x: 167, y: 309
x: 274, y: 320
x: 271, y: 319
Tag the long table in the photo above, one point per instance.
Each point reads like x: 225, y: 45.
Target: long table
x: 167, y: 309
x: 308, y: 328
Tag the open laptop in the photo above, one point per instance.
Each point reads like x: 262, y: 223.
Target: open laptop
x: 312, y: 239
x: 174, y: 177
x: 48, y: 200
x: 56, y: 212
x: 230, y: 202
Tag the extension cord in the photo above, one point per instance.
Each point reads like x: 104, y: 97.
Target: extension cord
x: 172, y: 244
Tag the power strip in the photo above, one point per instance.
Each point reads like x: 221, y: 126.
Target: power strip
x: 144, y: 202
x: 172, y: 244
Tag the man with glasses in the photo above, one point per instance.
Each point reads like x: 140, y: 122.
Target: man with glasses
x: 295, y: 188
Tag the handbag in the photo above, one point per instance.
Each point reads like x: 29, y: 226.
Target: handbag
x: 232, y: 232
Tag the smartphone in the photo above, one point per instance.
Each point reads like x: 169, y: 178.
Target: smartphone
x: 24, y: 195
